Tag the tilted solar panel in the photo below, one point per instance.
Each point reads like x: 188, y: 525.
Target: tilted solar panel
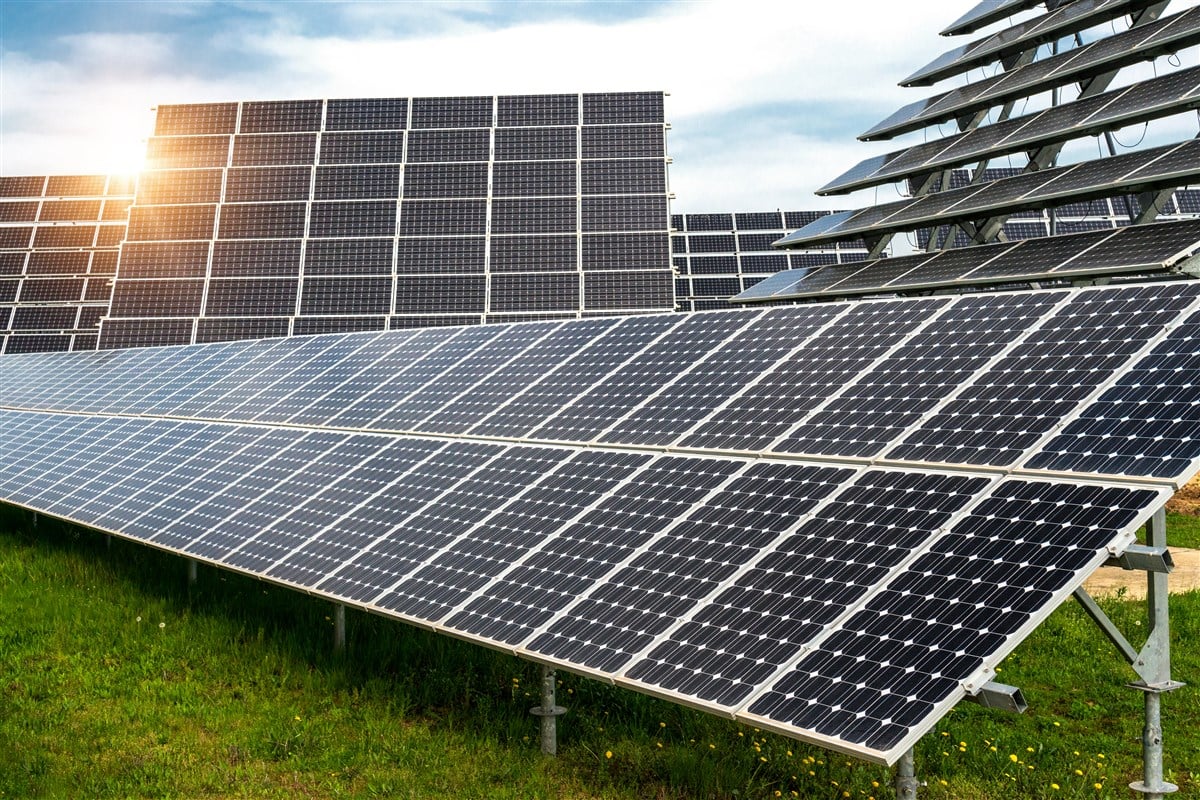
x: 1145, y: 42
x: 1146, y: 170
x: 1138, y: 249
x: 59, y: 238
x: 1158, y: 97
x: 985, y: 13
x: 831, y: 521
x: 1067, y: 19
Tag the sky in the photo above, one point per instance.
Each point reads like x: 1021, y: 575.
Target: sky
x: 765, y: 98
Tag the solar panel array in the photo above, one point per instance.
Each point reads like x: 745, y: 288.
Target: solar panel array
x: 1142, y: 43
x: 1139, y: 250
x: 288, y: 217
x: 1144, y: 170
x: 1162, y: 96
x: 716, y: 256
x: 828, y: 520
x: 1068, y: 18
x: 59, y: 236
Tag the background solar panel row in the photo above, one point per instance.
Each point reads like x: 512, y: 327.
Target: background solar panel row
x: 59, y: 239
x: 1142, y: 249
x: 1168, y: 94
x: 776, y: 590
x: 1166, y: 35
x: 1146, y: 170
x: 987, y: 12
x: 1059, y: 23
x: 308, y: 216
x: 719, y: 255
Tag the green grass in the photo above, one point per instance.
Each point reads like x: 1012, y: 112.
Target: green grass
x: 115, y: 684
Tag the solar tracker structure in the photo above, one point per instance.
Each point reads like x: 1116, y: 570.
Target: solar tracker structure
x: 259, y: 219
x: 59, y: 238
x: 717, y: 256
x: 1141, y: 250
x: 830, y: 521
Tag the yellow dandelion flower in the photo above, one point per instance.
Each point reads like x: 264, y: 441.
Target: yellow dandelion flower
x: 992, y: 748
x: 608, y: 753
x: 789, y: 752
x: 943, y: 782
x: 1097, y: 786
x: 1012, y: 757
x: 762, y: 759
x: 662, y: 724
x: 659, y: 745
x: 712, y: 747
x: 1099, y: 755
x: 874, y: 784
x: 1028, y: 749
x: 1055, y: 786
x: 1058, y: 724
x: 1079, y: 772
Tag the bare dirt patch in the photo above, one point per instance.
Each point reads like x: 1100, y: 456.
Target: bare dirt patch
x: 1185, y: 577
x: 1186, y: 500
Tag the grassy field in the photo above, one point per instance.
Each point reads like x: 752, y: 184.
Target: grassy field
x: 115, y: 684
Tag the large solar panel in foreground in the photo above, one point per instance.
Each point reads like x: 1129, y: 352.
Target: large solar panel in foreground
x: 831, y: 521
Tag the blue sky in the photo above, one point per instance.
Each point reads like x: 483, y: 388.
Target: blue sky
x: 766, y: 97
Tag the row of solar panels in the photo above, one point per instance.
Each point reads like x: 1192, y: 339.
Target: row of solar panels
x: 1133, y: 250
x: 1142, y: 43
x: 399, y: 113
x: 1067, y: 18
x: 523, y: 486
x: 1145, y: 170
x: 1158, y: 97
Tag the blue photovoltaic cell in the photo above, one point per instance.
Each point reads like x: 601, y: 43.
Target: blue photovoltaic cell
x: 1004, y: 411
x: 173, y: 476
x: 834, y: 356
x: 494, y: 390
x: 1148, y: 423
x: 563, y: 567
x: 793, y: 590
x: 891, y: 396
x: 508, y: 535
x: 951, y: 611
x: 575, y: 375
x: 413, y: 375
x: 650, y: 370
x: 451, y: 513
x: 695, y: 395
x: 320, y: 539
x: 198, y: 507
x: 461, y: 374
x: 621, y: 616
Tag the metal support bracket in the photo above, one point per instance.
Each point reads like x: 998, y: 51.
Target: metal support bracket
x: 549, y: 712
x: 1001, y: 696
x: 1143, y: 557
x: 339, y: 628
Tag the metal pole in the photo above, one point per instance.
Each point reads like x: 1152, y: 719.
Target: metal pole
x: 339, y: 628
x: 191, y: 572
x: 1155, y: 669
x: 549, y: 712
x: 906, y: 777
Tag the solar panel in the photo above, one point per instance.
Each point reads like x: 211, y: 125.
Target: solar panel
x: 1137, y: 249
x: 293, y: 217
x: 985, y: 13
x: 59, y: 238
x: 718, y: 558
x: 717, y: 256
x: 1145, y: 42
x: 1145, y: 170
x: 1146, y: 100
x: 1069, y: 18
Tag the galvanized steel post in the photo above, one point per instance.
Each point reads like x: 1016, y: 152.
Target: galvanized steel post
x: 549, y: 712
x: 339, y: 628
x: 906, y: 777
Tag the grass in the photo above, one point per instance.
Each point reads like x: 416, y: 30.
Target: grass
x: 115, y: 684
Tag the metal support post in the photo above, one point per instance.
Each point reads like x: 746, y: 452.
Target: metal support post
x: 339, y: 628
x: 1154, y: 667
x: 191, y: 573
x: 906, y: 777
x: 549, y: 712
x: 35, y: 519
